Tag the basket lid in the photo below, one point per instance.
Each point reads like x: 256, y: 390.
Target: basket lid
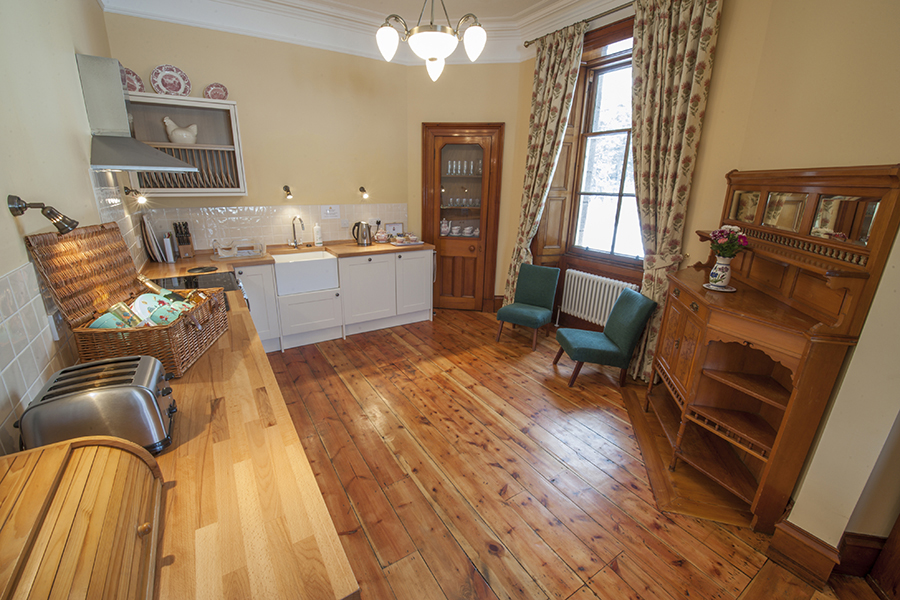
x: 87, y: 270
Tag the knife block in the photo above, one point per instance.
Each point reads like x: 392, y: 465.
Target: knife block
x: 186, y: 251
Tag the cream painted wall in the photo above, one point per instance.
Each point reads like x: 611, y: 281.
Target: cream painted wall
x: 812, y: 83
x: 322, y: 122
x: 46, y: 137
x: 327, y: 123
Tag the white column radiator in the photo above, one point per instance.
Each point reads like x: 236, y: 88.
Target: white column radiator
x: 590, y: 297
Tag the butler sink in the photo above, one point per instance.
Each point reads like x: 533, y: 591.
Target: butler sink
x: 305, y: 272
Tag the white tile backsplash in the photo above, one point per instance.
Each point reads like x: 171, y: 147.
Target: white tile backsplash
x: 28, y: 353
x: 270, y: 224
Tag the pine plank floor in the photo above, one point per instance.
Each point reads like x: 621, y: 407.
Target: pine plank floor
x: 457, y: 467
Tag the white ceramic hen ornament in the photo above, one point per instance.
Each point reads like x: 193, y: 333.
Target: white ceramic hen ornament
x: 180, y: 135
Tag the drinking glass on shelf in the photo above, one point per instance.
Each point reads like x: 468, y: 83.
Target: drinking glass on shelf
x: 471, y: 167
x: 479, y: 167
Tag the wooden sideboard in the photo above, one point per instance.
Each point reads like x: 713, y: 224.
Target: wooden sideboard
x: 746, y: 376
x: 79, y: 519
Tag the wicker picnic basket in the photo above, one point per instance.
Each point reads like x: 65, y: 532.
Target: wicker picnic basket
x: 90, y: 269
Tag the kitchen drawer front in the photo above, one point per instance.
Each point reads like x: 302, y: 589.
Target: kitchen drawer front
x: 368, y: 287
x: 99, y: 535
x: 311, y: 311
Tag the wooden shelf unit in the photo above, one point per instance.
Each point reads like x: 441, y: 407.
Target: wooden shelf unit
x: 217, y: 155
x: 746, y: 376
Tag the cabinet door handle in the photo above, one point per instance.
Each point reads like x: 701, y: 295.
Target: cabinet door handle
x: 676, y: 292
x: 370, y: 260
x: 694, y: 306
x: 240, y: 272
x: 677, y: 343
x: 144, y: 529
x: 399, y: 256
x: 472, y: 248
x: 337, y: 294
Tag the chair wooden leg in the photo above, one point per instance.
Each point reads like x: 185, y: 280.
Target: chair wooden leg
x: 558, y: 355
x: 622, y: 376
x: 575, y: 372
x: 499, y: 331
x: 534, y: 339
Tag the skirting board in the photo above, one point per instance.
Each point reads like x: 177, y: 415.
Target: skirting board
x: 858, y: 553
x: 803, y: 554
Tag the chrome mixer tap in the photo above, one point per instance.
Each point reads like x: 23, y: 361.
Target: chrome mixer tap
x: 296, y: 243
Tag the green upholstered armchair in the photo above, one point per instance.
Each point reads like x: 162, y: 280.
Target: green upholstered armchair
x: 615, y: 345
x: 533, y: 304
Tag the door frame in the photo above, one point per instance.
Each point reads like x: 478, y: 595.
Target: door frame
x: 431, y: 132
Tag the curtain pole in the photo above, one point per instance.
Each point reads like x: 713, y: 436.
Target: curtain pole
x: 594, y: 18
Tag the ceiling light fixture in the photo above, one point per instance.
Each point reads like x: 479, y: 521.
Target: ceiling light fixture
x: 432, y: 43
x: 63, y: 224
x: 364, y: 193
x: 287, y: 192
x: 137, y: 194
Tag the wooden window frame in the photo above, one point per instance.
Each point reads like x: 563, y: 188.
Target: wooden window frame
x: 607, y: 263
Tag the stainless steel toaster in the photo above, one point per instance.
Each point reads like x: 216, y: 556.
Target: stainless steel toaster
x: 123, y: 397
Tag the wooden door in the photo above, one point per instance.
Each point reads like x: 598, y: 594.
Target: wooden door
x: 461, y: 197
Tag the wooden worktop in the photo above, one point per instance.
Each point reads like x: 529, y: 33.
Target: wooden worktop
x: 243, y: 516
x: 203, y: 258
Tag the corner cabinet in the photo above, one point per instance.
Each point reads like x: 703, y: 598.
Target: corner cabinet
x: 746, y: 376
x: 461, y: 167
x: 217, y: 153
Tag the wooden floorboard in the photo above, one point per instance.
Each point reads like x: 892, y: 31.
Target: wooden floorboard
x: 457, y: 467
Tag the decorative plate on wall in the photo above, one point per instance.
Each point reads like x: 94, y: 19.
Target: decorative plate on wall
x: 170, y: 80
x: 216, y: 91
x: 133, y: 82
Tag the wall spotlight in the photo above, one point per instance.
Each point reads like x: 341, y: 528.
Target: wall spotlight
x: 287, y: 192
x: 137, y: 194
x: 364, y: 193
x: 63, y: 224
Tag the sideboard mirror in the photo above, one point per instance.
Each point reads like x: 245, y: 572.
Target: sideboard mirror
x: 743, y: 206
x: 845, y: 218
x: 784, y: 210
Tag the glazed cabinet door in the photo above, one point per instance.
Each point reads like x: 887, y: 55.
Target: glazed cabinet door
x: 461, y: 178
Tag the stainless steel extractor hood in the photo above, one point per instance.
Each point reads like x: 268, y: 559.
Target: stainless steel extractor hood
x: 112, y: 147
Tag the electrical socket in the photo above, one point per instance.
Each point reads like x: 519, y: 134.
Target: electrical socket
x: 345, y: 223
x: 56, y: 324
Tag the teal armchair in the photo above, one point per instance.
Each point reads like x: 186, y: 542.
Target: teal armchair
x: 613, y: 346
x: 533, y: 304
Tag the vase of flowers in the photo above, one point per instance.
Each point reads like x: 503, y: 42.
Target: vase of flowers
x: 725, y: 242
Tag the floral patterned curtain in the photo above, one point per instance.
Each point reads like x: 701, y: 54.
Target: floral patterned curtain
x: 674, y: 45
x: 555, y: 75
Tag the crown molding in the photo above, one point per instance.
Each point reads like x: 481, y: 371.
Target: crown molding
x: 350, y: 30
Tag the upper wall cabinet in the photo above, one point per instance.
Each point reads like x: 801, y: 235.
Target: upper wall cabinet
x: 216, y: 151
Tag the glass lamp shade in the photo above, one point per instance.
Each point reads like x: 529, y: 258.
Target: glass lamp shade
x: 435, y: 67
x: 474, y: 40
x: 388, y: 39
x: 432, y: 41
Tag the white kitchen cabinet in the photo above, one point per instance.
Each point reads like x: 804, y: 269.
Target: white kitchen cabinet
x: 369, y: 289
x: 310, y: 317
x: 414, y: 281
x: 258, y: 282
x: 386, y: 290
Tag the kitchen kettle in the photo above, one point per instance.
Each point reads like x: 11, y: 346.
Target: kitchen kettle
x: 362, y: 233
